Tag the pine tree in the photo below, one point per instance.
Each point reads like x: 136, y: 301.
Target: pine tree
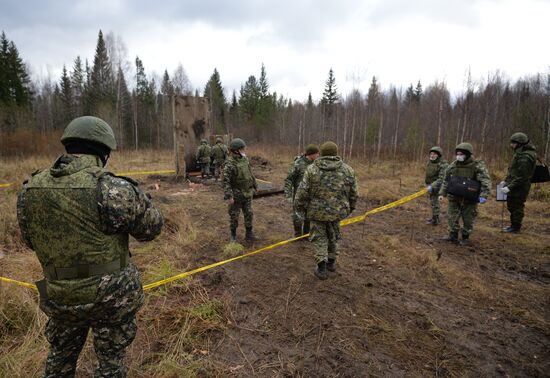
x: 66, y: 97
x: 330, y: 94
x: 5, y: 97
x: 249, y: 98
x: 15, y: 85
x: 124, y: 113
x: 77, y: 83
x: 218, y: 103
x: 166, y: 88
x: 101, y: 80
x: 266, y: 106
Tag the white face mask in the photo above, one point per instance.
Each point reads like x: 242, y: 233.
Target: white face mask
x: 460, y: 157
x: 243, y: 154
x: 432, y: 158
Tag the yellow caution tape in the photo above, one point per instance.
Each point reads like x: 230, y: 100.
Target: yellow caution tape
x: 20, y: 283
x: 145, y: 172
x: 343, y: 223
x: 5, y: 185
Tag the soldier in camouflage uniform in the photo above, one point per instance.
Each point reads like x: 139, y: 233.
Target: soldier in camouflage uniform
x: 465, y: 166
x: 327, y: 194
x: 203, y: 157
x: 239, y: 185
x: 293, y: 179
x: 218, y: 153
x: 435, y: 171
x: 77, y: 217
x: 518, y: 181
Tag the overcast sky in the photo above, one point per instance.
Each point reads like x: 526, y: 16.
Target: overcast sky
x: 398, y: 41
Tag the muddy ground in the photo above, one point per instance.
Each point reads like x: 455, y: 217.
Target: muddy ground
x: 402, y: 302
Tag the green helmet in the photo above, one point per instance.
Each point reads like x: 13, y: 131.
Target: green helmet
x: 465, y: 147
x: 237, y: 144
x: 520, y: 138
x: 329, y: 149
x: 92, y: 129
x: 437, y: 150
x: 204, y: 141
x: 219, y: 140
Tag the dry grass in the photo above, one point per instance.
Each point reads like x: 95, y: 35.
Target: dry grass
x: 182, y: 324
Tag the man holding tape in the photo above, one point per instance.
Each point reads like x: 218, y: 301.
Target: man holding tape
x: 466, y: 184
x: 77, y: 216
x: 327, y: 194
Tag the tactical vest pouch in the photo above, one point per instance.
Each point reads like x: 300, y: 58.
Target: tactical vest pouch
x: 541, y: 173
x: 464, y: 187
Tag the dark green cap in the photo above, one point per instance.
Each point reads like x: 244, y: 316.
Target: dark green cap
x: 329, y: 149
x: 465, y: 147
x: 311, y: 149
x: 520, y: 138
x: 237, y: 144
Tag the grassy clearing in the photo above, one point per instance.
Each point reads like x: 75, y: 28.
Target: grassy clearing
x: 183, y: 325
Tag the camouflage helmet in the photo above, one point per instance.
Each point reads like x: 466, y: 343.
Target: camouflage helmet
x: 237, y: 144
x: 204, y: 141
x: 519, y: 138
x: 90, y: 128
x: 219, y: 140
x: 465, y: 147
x: 437, y: 150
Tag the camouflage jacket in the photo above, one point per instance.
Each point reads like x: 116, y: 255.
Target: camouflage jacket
x: 295, y: 175
x: 77, y: 216
x: 238, y: 180
x: 219, y: 153
x: 521, y: 170
x: 328, y: 191
x: 471, y: 168
x: 435, y: 173
x: 203, y: 154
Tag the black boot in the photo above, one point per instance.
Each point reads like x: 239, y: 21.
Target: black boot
x: 465, y: 240
x: 452, y: 237
x: 430, y: 221
x: 321, y: 270
x: 250, y: 235
x: 233, y: 238
x: 513, y: 229
x: 435, y: 220
x: 306, y: 228
x: 331, y: 265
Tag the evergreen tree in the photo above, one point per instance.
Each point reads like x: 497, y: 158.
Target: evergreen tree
x: 15, y: 86
x: 218, y: 103
x: 330, y: 94
x: 77, y: 83
x: 266, y: 103
x: 124, y: 110
x: 66, y: 97
x: 101, y: 80
x: 166, y: 88
x: 249, y: 98
x: 5, y: 96
x: 418, y: 92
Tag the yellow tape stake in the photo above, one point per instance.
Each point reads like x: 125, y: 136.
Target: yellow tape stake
x: 343, y: 223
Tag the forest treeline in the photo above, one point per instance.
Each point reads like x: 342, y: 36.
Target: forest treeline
x: 372, y: 123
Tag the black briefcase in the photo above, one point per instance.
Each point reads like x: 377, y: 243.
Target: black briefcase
x: 464, y: 187
x: 541, y: 173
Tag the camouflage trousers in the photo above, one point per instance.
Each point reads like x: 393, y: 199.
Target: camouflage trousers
x: 516, y: 207
x: 235, y: 209
x: 66, y: 343
x: 434, y: 201
x: 218, y: 168
x: 301, y: 227
x: 465, y: 210
x: 205, y: 169
x: 111, y: 316
x: 325, y: 236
